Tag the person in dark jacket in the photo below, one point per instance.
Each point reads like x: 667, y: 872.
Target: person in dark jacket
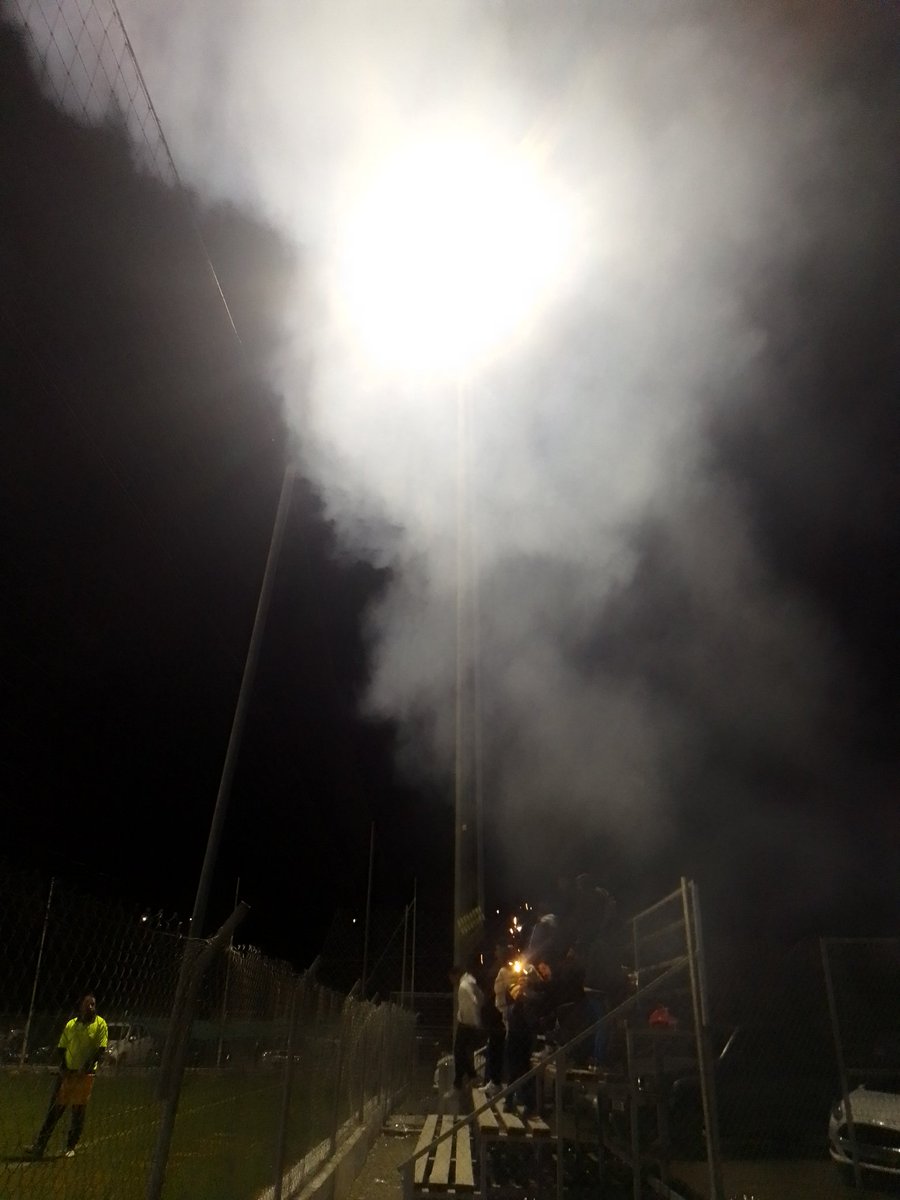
x: 528, y: 1013
x: 493, y: 1023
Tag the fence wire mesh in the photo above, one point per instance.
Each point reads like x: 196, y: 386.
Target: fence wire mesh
x: 865, y: 979
x: 634, y: 1093
x: 84, y: 62
x: 779, y: 1038
x: 396, y: 936
x: 862, y: 979
x: 280, y: 1067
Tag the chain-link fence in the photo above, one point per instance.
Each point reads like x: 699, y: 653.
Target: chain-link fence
x: 405, y: 950
x: 280, y: 1068
x: 404, y: 957
x: 796, y: 1031
x: 862, y: 978
x: 84, y: 62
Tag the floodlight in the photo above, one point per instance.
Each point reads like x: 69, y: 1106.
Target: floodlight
x: 448, y: 252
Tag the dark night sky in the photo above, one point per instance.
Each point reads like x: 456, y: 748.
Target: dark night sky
x: 142, y: 461
x: 142, y: 456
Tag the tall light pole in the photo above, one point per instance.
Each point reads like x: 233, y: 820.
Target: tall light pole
x: 446, y: 255
x: 468, y: 857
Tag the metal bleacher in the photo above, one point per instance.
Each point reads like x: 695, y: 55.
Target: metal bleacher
x: 627, y: 1099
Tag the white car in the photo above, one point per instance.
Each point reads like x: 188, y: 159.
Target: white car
x: 876, y: 1120
x: 130, y: 1045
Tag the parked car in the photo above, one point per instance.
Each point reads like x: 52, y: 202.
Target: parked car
x: 876, y: 1120
x: 130, y: 1045
x: 774, y: 1088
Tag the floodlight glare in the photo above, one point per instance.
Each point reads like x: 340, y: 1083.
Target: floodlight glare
x: 447, y: 254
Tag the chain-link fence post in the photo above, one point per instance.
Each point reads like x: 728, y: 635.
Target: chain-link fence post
x: 693, y: 933
x: 181, y: 1024
x: 841, y: 1062
x: 339, y: 1075
x: 37, y: 974
x: 281, y: 1148
x: 366, y: 1017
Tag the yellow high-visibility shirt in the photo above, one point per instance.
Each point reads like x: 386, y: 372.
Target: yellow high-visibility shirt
x: 81, y: 1042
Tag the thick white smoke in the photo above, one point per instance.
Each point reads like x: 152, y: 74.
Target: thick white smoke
x: 687, y: 136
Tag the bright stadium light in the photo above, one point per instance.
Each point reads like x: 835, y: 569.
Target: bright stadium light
x: 447, y: 253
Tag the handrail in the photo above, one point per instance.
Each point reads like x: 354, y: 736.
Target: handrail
x: 658, y: 966
x: 559, y: 1052
x: 655, y: 907
x: 653, y: 934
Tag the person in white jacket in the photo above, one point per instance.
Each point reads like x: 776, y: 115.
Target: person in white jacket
x: 469, y: 1034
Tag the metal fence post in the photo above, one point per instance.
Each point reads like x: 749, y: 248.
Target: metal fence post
x: 338, y: 1079
x: 841, y: 1063
x: 403, y: 957
x: 366, y: 1018
x: 633, y: 1117
x: 558, y: 1082
x: 37, y: 973
x: 237, y: 895
x: 180, y: 1026
x: 383, y: 1089
x: 412, y: 960
x: 281, y: 1146
x: 701, y: 1033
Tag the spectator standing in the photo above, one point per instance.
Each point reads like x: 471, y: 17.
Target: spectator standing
x: 598, y: 939
x: 544, y: 943
x: 563, y: 906
x: 527, y: 1015
x: 468, y: 1035
x: 502, y: 980
x: 574, y: 1012
x: 494, y: 1025
x: 590, y: 906
x: 82, y: 1045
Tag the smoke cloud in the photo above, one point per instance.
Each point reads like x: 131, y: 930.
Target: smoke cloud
x: 652, y: 659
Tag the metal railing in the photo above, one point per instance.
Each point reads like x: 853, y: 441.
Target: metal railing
x: 660, y: 975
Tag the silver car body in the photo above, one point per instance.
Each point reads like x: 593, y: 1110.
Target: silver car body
x: 129, y: 1044
x: 876, y: 1119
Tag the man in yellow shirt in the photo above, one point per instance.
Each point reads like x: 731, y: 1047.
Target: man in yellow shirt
x: 82, y: 1045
